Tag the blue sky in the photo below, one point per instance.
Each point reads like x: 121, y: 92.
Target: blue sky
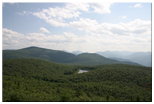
x: 88, y: 27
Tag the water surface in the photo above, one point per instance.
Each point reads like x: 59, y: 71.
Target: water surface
x: 82, y: 71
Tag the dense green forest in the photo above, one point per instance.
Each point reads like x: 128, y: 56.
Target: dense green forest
x: 39, y: 80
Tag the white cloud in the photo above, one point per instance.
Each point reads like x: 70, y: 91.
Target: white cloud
x: 96, y: 36
x: 44, y: 30
x: 49, y: 19
x: 14, y: 40
x: 101, y: 8
x: 138, y: 6
x: 78, y: 6
x: 84, y: 24
x: 57, y: 16
x: 135, y: 27
x: 129, y: 36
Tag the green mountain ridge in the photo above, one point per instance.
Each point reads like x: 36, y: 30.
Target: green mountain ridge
x: 61, y: 56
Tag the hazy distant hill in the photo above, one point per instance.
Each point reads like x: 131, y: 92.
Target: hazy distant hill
x: 143, y: 58
x: 61, y: 56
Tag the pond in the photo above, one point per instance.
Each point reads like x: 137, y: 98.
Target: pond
x: 82, y: 71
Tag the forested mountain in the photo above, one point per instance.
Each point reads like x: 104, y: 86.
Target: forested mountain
x: 40, y: 80
x: 61, y: 56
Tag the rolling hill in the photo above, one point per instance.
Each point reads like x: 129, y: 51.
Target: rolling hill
x: 61, y: 56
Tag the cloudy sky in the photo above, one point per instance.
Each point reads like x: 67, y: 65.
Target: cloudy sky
x: 87, y: 27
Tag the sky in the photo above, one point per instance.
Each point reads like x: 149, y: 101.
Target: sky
x: 86, y: 27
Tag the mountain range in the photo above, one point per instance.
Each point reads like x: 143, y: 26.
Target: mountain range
x: 62, y: 56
